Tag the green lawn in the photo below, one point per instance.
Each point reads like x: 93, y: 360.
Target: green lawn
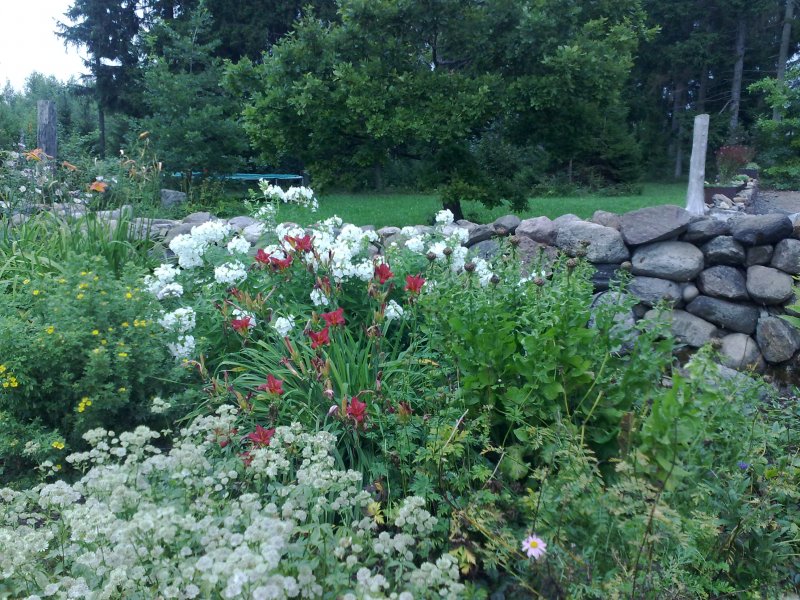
x: 413, y: 209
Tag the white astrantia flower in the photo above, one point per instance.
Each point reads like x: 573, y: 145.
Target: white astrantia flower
x: 230, y: 273
x: 158, y: 406
x: 238, y: 245
x: 318, y: 297
x: 393, y: 311
x: 437, y: 249
x: 283, y: 325
x: 444, y: 217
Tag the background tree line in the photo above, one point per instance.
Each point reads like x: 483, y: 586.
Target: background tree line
x: 479, y: 100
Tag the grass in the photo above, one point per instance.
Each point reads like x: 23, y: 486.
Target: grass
x: 381, y: 210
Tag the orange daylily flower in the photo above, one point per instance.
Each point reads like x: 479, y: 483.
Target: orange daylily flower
x: 68, y: 165
x: 98, y: 186
x: 36, y: 154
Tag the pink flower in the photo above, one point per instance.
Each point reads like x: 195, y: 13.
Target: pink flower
x: 333, y: 318
x: 357, y: 410
x: 534, y: 547
x: 383, y: 273
x: 241, y: 326
x: 300, y: 244
x: 262, y: 257
x: 414, y: 283
x: 261, y: 437
x: 320, y: 338
x: 273, y: 385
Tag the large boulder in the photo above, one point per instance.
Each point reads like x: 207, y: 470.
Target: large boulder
x: 602, y: 244
x: 179, y: 229
x: 757, y: 230
x: 196, y: 218
x: 535, y: 256
x: 604, y: 274
x: 607, y: 219
x: 723, y: 313
x: 704, y: 230
x: 768, y: 286
x: 692, y: 330
x: 241, y: 222
x: 481, y: 233
x: 787, y: 256
x: 723, y: 282
x: 724, y: 250
x: 252, y: 233
x: 487, y: 249
x: 759, y: 255
x: 677, y: 261
x: 654, y: 224
x: 777, y: 339
x: 539, y: 229
x: 172, y: 198
x: 651, y: 290
x: 740, y: 351
x: 507, y: 224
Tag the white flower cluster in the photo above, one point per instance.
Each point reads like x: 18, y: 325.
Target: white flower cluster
x: 238, y: 245
x: 447, y: 236
x: 299, y: 195
x: 483, y: 271
x: 230, y: 273
x: 162, y: 282
x: 197, y: 523
x: 190, y: 248
x: 180, y: 322
x: 283, y: 325
x: 393, y: 311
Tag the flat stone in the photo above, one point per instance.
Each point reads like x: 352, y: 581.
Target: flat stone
x: 777, y: 338
x: 677, y: 261
x: 538, y: 229
x: 240, y: 223
x: 172, y: 198
x: 567, y: 218
x: 768, y: 286
x: 385, y: 232
x: 704, y: 230
x: 759, y: 255
x: 787, y: 256
x: 252, y: 233
x: 692, y: 330
x: 196, y: 218
x: 487, y: 249
x: 651, y: 290
x: 468, y: 225
x: 607, y: 219
x: 723, y: 282
x: 481, y: 233
x: 740, y: 351
x: 117, y: 213
x: 179, y: 229
x: 507, y: 223
x: 724, y: 250
x: 724, y: 313
x: 757, y: 230
x: 604, y: 275
x: 601, y: 244
x: 654, y: 224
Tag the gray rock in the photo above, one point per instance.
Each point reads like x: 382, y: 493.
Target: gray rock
x: 604, y: 275
x: 367, y: 227
x: 768, y: 286
x: 487, y: 249
x: 724, y: 250
x: 240, y: 223
x: 154, y: 229
x: 385, y: 232
x: 723, y: 282
x: 654, y: 224
x: 468, y: 225
x: 507, y: 223
x: 677, y: 261
x: 704, y: 230
x: 481, y: 233
x: 719, y: 198
x: 535, y: 256
x: 605, y: 244
x: 758, y: 255
x: 651, y: 290
x: 197, y: 218
x: 740, y: 351
x: 690, y: 292
x: 117, y: 213
x: 607, y: 219
x: 692, y: 330
x: 179, y: 229
x: 172, y: 198
x: 787, y: 256
x: 539, y: 229
x: 567, y: 218
x: 624, y: 320
x: 777, y: 339
x: 757, y: 230
x: 723, y: 313
x: 252, y: 233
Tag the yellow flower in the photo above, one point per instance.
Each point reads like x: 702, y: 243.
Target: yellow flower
x: 84, y: 273
x: 122, y: 354
x: 58, y: 445
x: 103, y: 342
x: 13, y: 381
x: 111, y: 329
x: 62, y: 280
x: 95, y: 278
x: 50, y: 329
x: 2, y: 368
x: 26, y: 281
x: 128, y: 295
x: 79, y: 297
x: 95, y: 332
x: 57, y: 467
x: 83, y: 286
x: 125, y: 324
x: 35, y: 292
x: 122, y: 390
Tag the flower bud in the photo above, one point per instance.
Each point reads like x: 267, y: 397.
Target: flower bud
x: 431, y: 256
x: 447, y: 251
x: 494, y: 280
x: 469, y: 267
x: 538, y: 281
x: 626, y: 266
x: 572, y: 263
x: 514, y: 240
x: 580, y: 252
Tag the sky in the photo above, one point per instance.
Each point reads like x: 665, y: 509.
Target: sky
x: 28, y: 42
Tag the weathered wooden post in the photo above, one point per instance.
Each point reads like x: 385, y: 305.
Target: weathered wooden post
x: 46, y: 137
x: 695, y: 198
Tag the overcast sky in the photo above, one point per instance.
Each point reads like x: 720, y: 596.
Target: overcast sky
x: 28, y: 41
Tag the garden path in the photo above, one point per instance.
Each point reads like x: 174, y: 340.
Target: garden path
x: 772, y: 201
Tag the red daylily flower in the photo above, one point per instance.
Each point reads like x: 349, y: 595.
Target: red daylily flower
x: 321, y: 338
x: 241, y: 325
x: 333, y: 318
x: 281, y: 264
x: 273, y: 385
x: 383, y: 273
x: 357, y: 410
x: 414, y: 283
x: 301, y: 244
x: 262, y: 257
x: 247, y: 458
x: 261, y: 437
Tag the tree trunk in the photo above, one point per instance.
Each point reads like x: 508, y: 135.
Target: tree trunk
x: 101, y: 124
x: 738, y: 68
x: 695, y: 202
x: 702, y: 90
x: 377, y: 177
x: 455, y: 208
x: 679, y: 153
x: 783, y: 53
x: 46, y: 127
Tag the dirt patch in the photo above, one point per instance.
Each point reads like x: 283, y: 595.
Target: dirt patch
x: 774, y: 201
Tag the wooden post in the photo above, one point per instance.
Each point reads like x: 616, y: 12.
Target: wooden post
x: 695, y: 199
x: 46, y: 137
